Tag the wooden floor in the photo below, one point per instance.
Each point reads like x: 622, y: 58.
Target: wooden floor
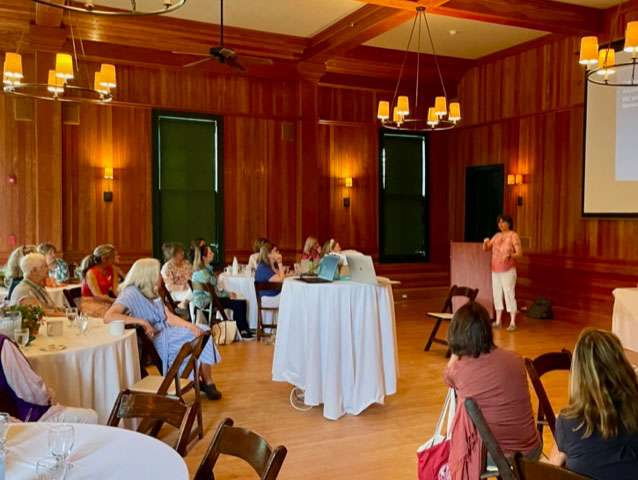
x: 381, y: 442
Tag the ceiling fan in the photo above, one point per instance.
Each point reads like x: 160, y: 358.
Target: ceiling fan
x: 223, y: 54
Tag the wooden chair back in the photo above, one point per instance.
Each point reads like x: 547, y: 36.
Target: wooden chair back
x: 267, y: 286
x: 72, y: 295
x: 215, y: 303
x: 154, y: 409
x: 493, y: 448
x: 244, y: 444
x: 536, y: 368
x: 166, y: 297
x: 534, y: 470
x: 189, y: 353
x: 456, y: 291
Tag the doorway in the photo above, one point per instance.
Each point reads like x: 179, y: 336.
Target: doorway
x: 483, y: 200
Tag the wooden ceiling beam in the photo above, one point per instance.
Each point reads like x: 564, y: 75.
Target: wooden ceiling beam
x: 46, y: 16
x: 546, y: 15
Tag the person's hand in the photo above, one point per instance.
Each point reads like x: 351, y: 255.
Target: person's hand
x: 148, y: 329
x: 232, y: 295
x: 485, y: 240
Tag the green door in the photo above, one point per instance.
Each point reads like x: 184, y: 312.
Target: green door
x: 187, y: 180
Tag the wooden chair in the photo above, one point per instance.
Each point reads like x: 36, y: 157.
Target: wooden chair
x: 491, y: 445
x: 165, y: 295
x: 175, y: 384
x: 147, y: 352
x: 72, y: 295
x: 261, y: 325
x: 153, y: 409
x: 244, y: 444
x: 446, y: 312
x: 533, y: 470
x: 548, y: 362
x: 214, y: 306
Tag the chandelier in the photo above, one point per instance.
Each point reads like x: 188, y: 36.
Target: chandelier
x: 57, y: 86
x: 600, y: 64
x: 88, y: 6
x: 441, y: 116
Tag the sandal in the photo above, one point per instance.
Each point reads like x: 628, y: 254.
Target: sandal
x: 512, y: 328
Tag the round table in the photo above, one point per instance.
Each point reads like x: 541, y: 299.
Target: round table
x: 99, y: 452
x: 57, y: 294
x: 244, y: 286
x: 337, y: 342
x: 91, y: 370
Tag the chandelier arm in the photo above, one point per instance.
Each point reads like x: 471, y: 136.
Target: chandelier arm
x: 68, y: 6
x: 405, y: 57
x: 418, y: 67
x: 75, y: 52
x: 221, y: 17
x: 436, y: 58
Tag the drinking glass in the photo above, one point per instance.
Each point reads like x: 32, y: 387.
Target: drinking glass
x: 49, y: 469
x: 71, y: 315
x: 4, y: 429
x: 61, y: 440
x: 83, y: 324
x: 22, y: 336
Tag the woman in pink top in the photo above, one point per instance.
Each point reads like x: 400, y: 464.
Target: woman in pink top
x: 495, y: 378
x: 506, y: 249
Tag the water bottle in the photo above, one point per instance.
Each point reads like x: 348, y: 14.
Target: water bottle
x: 235, y: 266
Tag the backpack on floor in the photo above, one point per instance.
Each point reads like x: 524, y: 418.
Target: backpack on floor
x: 541, y: 308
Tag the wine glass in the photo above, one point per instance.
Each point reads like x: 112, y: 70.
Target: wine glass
x: 49, y: 469
x: 22, y: 336
x: 71, y: 315
x: 4, y: 429
x: 61, y: 440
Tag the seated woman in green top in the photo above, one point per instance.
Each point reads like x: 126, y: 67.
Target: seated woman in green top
x: 203, y: 274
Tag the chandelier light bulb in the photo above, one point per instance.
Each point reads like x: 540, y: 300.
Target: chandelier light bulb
x: 403, y: 105
x: 631, y: 38
x: 433, y: 118
x: 588, y: 51
x: 440, y: 106
x: 606, y: 59
x: 13, y: 66
x: 455, y: 112
x: 383, y: 111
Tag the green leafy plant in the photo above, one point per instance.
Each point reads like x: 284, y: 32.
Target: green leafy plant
x: 31, y: 316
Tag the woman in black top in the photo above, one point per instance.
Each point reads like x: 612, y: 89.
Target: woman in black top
x: 597, y: 434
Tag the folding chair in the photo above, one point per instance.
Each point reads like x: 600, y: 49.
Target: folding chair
x: 446, y: 312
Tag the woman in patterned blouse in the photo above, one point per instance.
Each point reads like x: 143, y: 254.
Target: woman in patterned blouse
x: 58, y: 269
x: 176, y: 273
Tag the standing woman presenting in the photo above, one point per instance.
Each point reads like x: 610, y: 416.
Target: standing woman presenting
x: 506, y: 249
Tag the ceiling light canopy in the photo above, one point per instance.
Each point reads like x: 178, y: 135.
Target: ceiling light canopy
x: 88, y: 6
x: 442, y: 115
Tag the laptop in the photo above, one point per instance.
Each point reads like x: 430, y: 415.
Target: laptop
x: 362, y: 269
x: 328, y: 268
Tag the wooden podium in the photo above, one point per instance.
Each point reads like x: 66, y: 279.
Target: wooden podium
x: 470, y: 267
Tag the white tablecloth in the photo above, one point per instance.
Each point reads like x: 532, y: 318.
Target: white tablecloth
x: 92, y: 369
x: 99, y: 453
x: 244, y: 286
x: 337, y: 342
x: 625, y: 318
x: 57, y: 294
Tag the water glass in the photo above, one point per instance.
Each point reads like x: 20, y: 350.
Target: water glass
x: 83, y: 324
x: 50, y: 469
x: 22, y: 336
x: 4, y: 429
x: 61, y: 440
x: 71, y: 315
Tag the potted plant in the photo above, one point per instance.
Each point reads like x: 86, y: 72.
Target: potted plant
x: 31, y: 317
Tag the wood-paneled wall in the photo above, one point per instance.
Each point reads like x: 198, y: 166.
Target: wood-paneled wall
x: 526, y: 112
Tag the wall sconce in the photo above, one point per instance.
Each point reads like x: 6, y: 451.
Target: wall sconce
x: 348, y: 182
x: 514, y: 180
x: 108, y: 177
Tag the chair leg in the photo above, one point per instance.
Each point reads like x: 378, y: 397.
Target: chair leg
x: 433, y: 334
x: 260, y: 330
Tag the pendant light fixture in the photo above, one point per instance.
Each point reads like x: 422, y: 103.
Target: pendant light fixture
x: 600, y: 63
x: 443, y: 115
x: 88, y: 6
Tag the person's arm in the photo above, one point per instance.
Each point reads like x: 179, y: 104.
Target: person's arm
x: 518, y: 248
x: 488, y: 243
x: 48, y: 311
x: 557, y: 457
x: 118, y: 312
x: 91, y: 282
x: 278, y: 268
x: 21, y: 378
x: 175, y: 321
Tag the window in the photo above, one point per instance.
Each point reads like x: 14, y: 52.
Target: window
x: 187, y: 180
x: 403, y: 201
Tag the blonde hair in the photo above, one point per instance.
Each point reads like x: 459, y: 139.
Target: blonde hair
x: 310, y: 242
x: 603, y: 387
x: 328, y: 246
x: 99, y: 254
x: 32, y: 261
x: 46, y: 248
x: 264, y: 251
x: 199, y: 253
x: 144, y: 274
x: 12, y: 270
x: 258, y: 244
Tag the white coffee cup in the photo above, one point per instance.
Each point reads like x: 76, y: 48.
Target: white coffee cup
x: 116, y: 328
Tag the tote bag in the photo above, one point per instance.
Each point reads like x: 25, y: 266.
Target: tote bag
x: 434, y: 454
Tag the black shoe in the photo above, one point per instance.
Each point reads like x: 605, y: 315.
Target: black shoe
x: 246, y: 334
x: 211, y: 392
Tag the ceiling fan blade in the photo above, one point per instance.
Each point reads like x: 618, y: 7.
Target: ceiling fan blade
x: 197, y: 62
x: 234, y: 63
x: 256, y: 60
x: 192, y: 54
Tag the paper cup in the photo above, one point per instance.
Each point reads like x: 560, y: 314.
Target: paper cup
x: 116, y: 328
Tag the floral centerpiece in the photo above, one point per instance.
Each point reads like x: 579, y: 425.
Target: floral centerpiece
x: 31, y: 317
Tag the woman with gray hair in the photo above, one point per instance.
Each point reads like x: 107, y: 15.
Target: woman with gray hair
x: 31, y: 291
x: 139, y: 303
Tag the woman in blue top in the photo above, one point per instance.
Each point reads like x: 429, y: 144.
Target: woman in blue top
x: 270, y: 269
x: 139, y: 304
x: 203, y: 274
